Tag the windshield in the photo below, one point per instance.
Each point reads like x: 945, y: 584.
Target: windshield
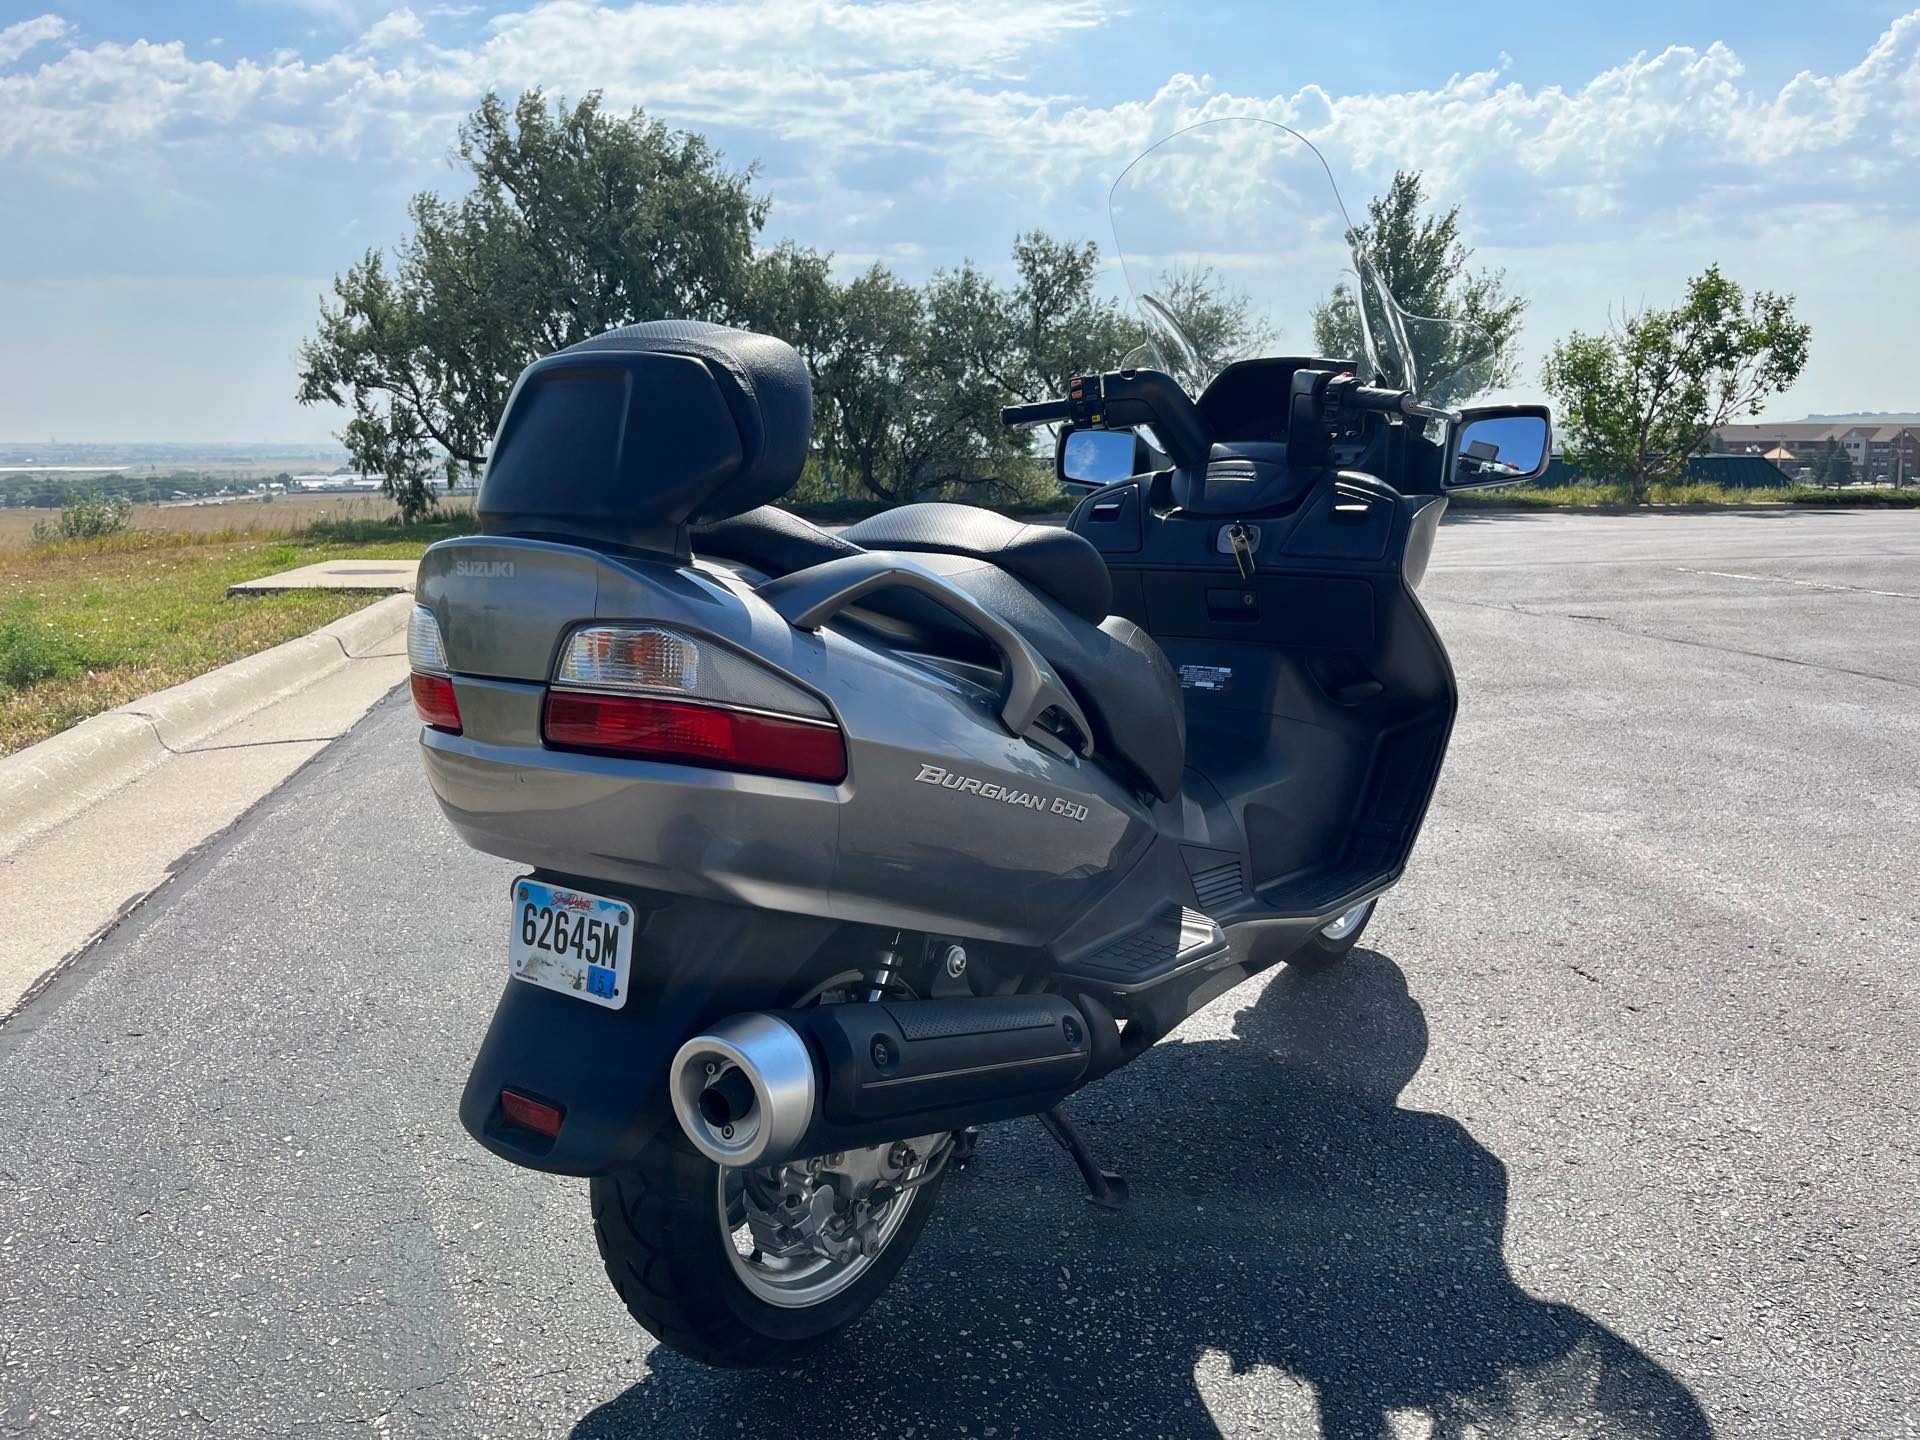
x: 1236, y: 244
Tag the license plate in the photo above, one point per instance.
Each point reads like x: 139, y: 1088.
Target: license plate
x: 570, y: 941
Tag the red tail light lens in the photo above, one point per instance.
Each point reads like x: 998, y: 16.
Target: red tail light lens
x: 439, y: 707
x: 531, y: 1114
x: 706, y: 735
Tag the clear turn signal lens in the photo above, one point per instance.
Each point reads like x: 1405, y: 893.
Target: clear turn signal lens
x: 426, y: 653
x: 649, y: 660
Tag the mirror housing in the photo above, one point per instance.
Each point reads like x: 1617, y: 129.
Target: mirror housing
x: 1093, y: 459
x: 1500, y: 445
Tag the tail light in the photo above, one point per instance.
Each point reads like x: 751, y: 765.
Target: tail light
x: 433, y: 694
x: 642, y: 691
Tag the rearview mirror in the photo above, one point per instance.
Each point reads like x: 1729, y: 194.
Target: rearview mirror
x: 1500, y: 445
x: 1090, y: 459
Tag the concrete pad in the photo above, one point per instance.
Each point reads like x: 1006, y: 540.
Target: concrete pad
x: 391, y: 576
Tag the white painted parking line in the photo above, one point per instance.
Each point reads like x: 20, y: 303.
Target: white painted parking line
x: 1806, y: 584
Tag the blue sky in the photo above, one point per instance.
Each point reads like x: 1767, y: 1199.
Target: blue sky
x: 178, y: 183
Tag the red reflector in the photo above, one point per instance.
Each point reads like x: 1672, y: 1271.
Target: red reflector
x: 433, y: 697
x: 696, y: 735
x: 529, y: 1114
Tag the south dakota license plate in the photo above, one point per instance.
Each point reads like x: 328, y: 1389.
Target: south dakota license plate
x: 570, y: 941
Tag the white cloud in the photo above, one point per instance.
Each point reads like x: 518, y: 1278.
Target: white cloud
x: 940, y: 79
x: 400, y: 27
x: 577, y: 38
x: 907, y: 130
x: 17, y: 40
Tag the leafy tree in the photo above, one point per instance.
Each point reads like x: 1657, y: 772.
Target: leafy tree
x: 868, y: 382
x: 1215, y: 320
x: 1458, y: 324
x: 1637, y: 403
x: 991, y: 344
x: 577, y: 221
x: 1834, y: 467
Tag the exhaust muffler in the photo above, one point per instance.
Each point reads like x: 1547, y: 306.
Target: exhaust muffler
x: 765, y: 1087
x: 745, y: 1090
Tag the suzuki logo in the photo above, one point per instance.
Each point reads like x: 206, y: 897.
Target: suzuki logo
x: 484, y: 569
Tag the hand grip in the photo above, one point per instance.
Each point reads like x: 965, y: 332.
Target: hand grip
x: 1046, y: 412
x: 808, y: 598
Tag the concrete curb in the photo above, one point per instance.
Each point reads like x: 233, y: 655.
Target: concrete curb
x: 53, y: 781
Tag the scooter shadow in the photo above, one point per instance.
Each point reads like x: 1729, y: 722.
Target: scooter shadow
x: 1287, y: 1217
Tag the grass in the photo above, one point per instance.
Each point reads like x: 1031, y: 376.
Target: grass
x: 86, y: 625
x: 283, y: 516
x: 1528, y: 497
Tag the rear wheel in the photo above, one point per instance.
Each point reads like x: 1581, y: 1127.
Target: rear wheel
x: 749, y: 1267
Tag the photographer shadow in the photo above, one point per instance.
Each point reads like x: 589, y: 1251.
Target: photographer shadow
x: 1287, y: 1215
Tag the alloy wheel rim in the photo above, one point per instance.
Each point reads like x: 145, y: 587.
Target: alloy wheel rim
x: 804, y: 1280
x: 1348, y: 923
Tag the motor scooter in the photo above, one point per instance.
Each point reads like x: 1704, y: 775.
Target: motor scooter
x: 840, y: 846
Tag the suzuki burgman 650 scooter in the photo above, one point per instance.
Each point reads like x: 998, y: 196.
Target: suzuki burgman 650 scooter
x: 841, y: 845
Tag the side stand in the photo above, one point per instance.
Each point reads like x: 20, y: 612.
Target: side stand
x: 1104, y: 1188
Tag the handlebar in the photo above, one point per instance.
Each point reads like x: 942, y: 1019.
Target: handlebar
x: 1121, y: 400
x: 1393, y: 402
x: 1046, y: 412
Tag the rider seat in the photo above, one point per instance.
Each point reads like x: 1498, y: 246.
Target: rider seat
x: 1057, y: 562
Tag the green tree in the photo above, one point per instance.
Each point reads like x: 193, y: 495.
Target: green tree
x: 1834, y: 467
x: 990, y: 344
x: 577, y: 221
x: 1638, y: 402
x: 868, y: 382
x: 1216, y: 320
x: 1458, y: 325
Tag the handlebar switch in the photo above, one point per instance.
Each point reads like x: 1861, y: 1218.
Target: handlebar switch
x: 1086, y: 401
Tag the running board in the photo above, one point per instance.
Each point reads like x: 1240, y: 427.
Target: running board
x: 1175, y: 940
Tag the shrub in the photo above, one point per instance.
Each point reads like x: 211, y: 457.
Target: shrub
x: 32, y: 653
x: 87, y: 520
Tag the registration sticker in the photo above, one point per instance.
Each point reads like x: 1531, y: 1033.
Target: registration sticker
x: 570, y: 941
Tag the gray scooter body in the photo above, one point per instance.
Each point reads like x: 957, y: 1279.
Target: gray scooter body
x: 1318, y: 702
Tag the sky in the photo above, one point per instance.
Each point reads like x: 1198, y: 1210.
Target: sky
x: 180, y: 182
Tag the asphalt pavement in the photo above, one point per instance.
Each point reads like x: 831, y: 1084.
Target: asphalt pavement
x: 1608, y: 1129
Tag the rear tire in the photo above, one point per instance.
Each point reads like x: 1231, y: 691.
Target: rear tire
x: 1325, y: 949
x: 666, y: 1252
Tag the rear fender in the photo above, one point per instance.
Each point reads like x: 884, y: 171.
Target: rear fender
x: 694, y: 962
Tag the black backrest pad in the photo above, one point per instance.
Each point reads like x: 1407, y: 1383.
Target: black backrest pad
x: 1059, y: 562
x: 633, y: 434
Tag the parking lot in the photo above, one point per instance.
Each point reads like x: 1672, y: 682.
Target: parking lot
x: 1609, y: 1128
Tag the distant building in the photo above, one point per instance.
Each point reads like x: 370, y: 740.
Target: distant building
x: 1881, y: 454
